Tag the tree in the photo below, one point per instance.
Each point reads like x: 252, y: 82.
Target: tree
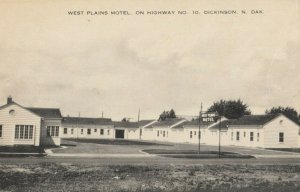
x: 231, y: 109
x: 167, y: 114
x: 287, y: 111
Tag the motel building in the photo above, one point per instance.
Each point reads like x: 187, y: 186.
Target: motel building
x: 21, y: 125
x: 29, y: 126
x: 87, y: 128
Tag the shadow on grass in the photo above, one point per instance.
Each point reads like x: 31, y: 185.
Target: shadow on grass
x: 115, y: 142
x: 294, y: 150
x: 22, y: 149
x: 194, y: 154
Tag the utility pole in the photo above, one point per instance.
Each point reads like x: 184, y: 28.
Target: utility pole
x: 199, y: 131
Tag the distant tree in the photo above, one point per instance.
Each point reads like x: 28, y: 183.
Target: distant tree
x: 167, y: 114
x: 231, y: 109
x: 287, y: 111
x: 125, y: 119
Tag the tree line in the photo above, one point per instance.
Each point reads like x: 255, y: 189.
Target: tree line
x: 233, y: 109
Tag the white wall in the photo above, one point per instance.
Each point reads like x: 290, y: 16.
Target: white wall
x: 245, y: 133
x: 277, y: 125
x: 20, y: 117
x: 108, y: 131
x: 50, y: 140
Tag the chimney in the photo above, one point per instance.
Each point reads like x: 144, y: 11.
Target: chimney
x: 9, y: 100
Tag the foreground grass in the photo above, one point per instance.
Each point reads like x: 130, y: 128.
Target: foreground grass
x: 115, y: 142
x: 210, y: 178
x: 22, y: 149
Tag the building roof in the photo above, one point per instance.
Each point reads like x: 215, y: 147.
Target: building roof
x: 253, y: 119
x: 145, y: 122
x: 125, y: 124
x: 87, y: 121
x: 46, y: 112
x: 167, y: 122
x: 245, y: 120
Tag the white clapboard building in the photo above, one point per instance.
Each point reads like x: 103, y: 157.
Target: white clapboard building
x: 21, y: 125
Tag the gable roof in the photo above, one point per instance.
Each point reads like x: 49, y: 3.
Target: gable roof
x: 46, y: 112
x: 145, y: 122
x: 251, y: 120
x: 167, y: 122
x: 86, y: 121
x: 125, y: 124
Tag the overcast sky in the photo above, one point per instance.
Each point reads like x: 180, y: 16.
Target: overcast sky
x: 118, y: 64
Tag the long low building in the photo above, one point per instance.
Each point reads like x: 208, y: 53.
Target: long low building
x: 21, y: 125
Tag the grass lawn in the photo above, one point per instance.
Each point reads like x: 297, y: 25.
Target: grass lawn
x: 178, y: 178
x: 22, y: 149
x: 194, y: 154
x: 295, y: 150
x: 115, y: 142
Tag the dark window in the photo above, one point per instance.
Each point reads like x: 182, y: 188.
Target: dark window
x: 244, y: 133
x: 101, y: 131
x: 81, y: 131
x: 195, y: 132
x: 237, y: 135
x: 89, y: 131
x: 65, y: 130
x: 0, y: 130
x: 95, y: 130
x: 157, y: 133
x: 164, y: 133
x: 281, y: 137
x: 26, y: 132
x: 251, y: 136
x: 257, y: 137
x: 191, y: 134
x: 108, y: 132
x: 21, y: 132
x: 231, y: 136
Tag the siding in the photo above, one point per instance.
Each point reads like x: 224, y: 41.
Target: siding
x: 281, y: 124
x: 245, y: 132
x: 21, y: 117
x: 108, y: 131
x: 50, y: 140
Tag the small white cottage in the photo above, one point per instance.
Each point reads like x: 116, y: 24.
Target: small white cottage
x: 29, y: 126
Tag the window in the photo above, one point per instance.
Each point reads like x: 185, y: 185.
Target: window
x: 101, y: 131
x: 281, y: 137
x: 23, y: 131
x: 191, y: 134
x: 157, y: 133
x: 164, y: 133
x: 244, y: 133
x: 26, y: 132
x: 195, y: 132
x: 251, y: 136
x: 95, y: 130
x: 0, y: 130
x: 88, y: 131
x: 237, y: 135
x: 81, y: 131
x: 65, y: 130
x: 52, y: 131
x: 108, y: 132
x: 72, y: 131
x: 257, y: 137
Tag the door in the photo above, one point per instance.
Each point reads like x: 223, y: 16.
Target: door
x: 119, y: 134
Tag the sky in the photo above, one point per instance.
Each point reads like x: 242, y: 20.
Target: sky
x: 118, y: 64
